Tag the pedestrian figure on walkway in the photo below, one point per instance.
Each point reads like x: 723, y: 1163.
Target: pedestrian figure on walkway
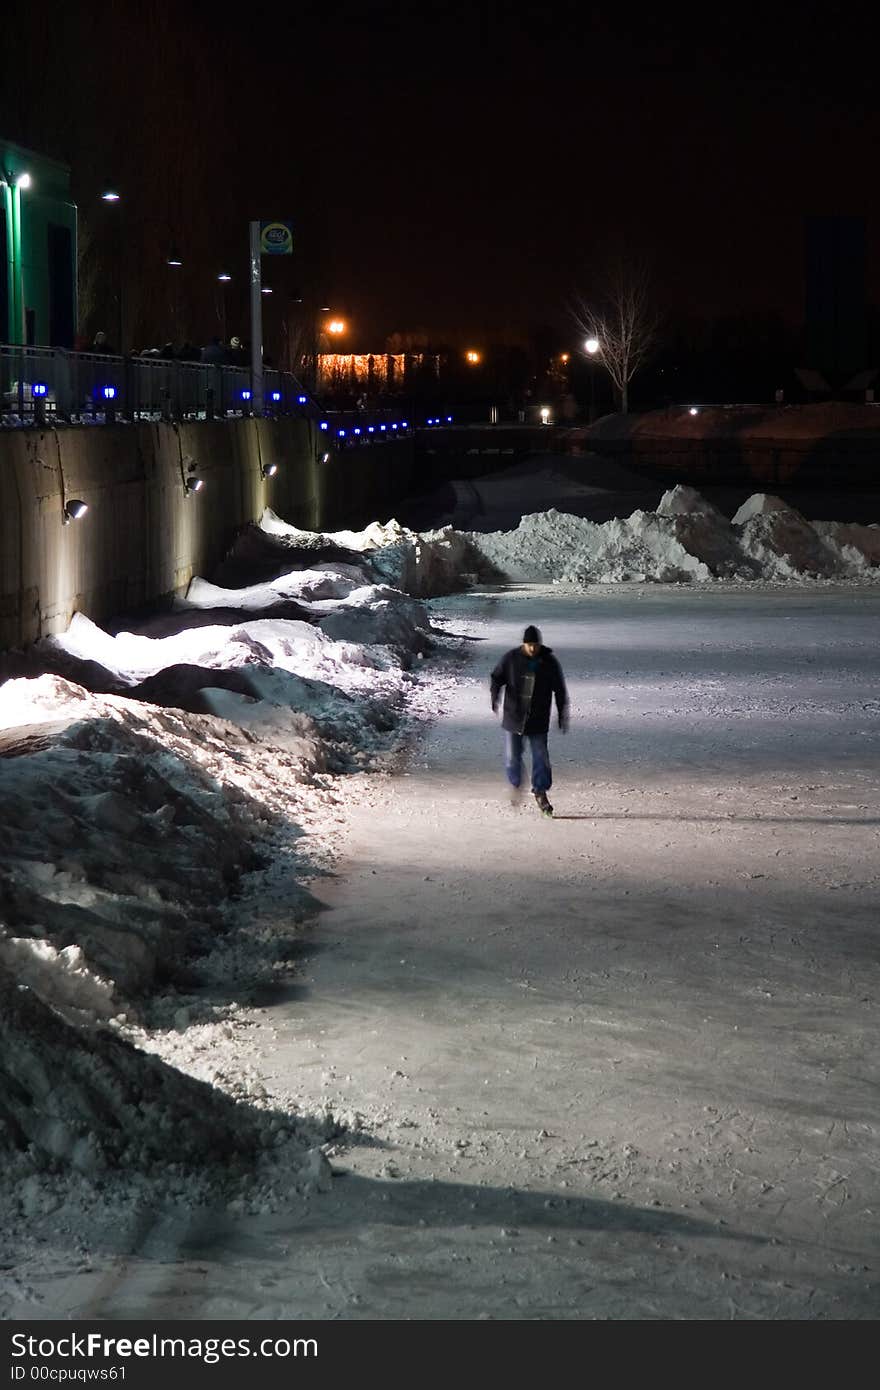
x: 531, y: 677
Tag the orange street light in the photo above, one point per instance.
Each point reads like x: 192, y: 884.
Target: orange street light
x: 336, y: 326
x: 473, y: 356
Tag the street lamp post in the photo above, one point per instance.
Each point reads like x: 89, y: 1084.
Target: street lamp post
x: 110, y: 195
x: 14, y: 183
x: 592, y: 346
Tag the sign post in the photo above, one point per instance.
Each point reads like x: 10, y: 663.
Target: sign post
x: 256, y: 322
x: 266, y: 239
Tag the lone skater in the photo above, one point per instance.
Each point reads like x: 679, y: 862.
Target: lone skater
x: 531, y: 677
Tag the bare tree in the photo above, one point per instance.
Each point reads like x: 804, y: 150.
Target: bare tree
x: 624, y: 323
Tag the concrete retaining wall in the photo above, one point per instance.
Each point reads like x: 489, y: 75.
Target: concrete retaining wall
x: 142, y: 537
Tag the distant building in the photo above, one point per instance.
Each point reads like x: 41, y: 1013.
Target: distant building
x: 836, y: 296
x: 38, y: 247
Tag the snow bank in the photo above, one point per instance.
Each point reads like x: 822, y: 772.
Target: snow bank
x: 119, y: 1108
x: 685, y: 540
x: 420, y: 563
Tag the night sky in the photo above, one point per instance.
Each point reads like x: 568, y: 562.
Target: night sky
x: 465, y: 169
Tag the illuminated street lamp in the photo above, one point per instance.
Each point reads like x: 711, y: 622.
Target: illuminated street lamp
x: 336, y: 326
x: 592, y: 346
x: 473, y: 357
x: 15, y: 182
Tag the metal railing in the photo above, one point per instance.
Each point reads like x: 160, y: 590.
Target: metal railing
x: 40, y: 384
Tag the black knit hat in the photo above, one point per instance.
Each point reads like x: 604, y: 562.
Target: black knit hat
x: 532, y: 634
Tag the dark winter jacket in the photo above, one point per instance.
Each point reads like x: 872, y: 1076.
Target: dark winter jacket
x: 526, y: 705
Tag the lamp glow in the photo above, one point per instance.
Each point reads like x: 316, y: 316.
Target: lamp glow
x: 693, y: 410
x: 270, y: 470
x: 111, y: 196
x: 40, y: 388
x: 303, y: 400
x: 24, y: 180
x: 276, y: 396
x: 246, y: 394
x: 545, y: 415
x: 108, y: 392
x: 592, y: 346
x: 193, y: 484
x: 472, y: 356
x: 74, y: 510
x: 223, y: 276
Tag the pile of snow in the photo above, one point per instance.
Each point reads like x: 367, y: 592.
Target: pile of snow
x: 120, y: 1108
x: 145, y: 776
x: 421, y: 563
x: 686, y: 539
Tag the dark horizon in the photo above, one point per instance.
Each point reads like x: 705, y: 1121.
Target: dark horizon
x: 458, y: 170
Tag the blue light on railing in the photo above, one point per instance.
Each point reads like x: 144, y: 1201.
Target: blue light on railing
x: 40, y: 388
x: 302, y: 399
x: 323, y: 425
x: 394, y: 427
x: 341, y: 433
x: 357, y: 429
x: 246, y: 394
x: 108, y: 392
x: 382, y: 427
x: 371, y: 429
x: 449, y: 419
x: 276, y: 396
x: 404, y: 425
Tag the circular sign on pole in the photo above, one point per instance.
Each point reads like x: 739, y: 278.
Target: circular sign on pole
x: 276, y: 239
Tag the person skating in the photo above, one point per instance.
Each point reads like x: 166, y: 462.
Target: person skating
x: 531, y: 677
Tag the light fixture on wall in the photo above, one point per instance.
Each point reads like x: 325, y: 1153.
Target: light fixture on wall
x: 269, y: 470
x: 191, y: 481
x: 74, y: 509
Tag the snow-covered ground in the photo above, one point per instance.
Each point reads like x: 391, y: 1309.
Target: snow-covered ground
x: 619, y: 1071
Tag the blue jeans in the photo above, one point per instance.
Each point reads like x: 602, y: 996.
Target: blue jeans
x: 542, y: 776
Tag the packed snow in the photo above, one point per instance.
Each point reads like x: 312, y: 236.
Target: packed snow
x: 171, y: 793
x: 686, y: 539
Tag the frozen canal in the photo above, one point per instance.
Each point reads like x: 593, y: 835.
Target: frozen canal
x: 621, y: 1064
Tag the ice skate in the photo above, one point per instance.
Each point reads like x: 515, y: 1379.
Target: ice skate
x: 543, y: 804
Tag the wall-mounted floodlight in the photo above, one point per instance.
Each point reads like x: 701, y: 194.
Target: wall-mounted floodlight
x: 325, y: 458
x: 269, y: 470
x: 24, y: 180
x: 74, y: 510
x: 545, y: 414
x: 193, y: 484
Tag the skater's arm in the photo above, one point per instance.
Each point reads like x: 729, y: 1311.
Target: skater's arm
x: 561, y: 695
